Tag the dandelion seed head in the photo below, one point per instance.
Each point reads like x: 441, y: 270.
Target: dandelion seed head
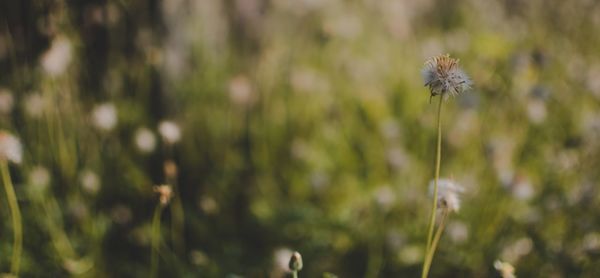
x: 281, y: 259
x: 10, y: 148
x: 104, y: 116
x: 295, y: 262
x: 444, y: 77
x: 165, y: 193
x: 6, y: 101
x: 56, y: 59
x: 448, y: 194
x: 169, y: 131
x: 89, y: 181
x: 506, y: 269
x: 34, y: 105
x: 39, y: 179
x: 145, y: 140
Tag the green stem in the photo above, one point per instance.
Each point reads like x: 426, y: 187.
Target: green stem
x: 155, y: 240
x: 295, y: 274
x: 438, y: 235
x: 16, y: 218
x: 438, y: 159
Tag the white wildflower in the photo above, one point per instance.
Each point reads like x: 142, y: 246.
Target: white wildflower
x: 39, y: 179
x: 145, y: 140
x: 89, y: 181
x: 448, y: 194
x: 169, y: 131
x: 104, y: 116
x: 10, y: 148
x: 443, y: 76
x: 6, y: 101
x: 240, y: 91
x: 56, y: 59
x: 506, y: 269
x: 282, y: 258
x: 34, y: 105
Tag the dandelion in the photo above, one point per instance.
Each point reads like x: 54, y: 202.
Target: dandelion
x: 89, y: 181
x: 145, y: 140
x: 169, y: 131
x: 104, y: 116
x: 281, y: 257
x: 165, y: 192
x: 39, y: 179
x: 506, y: 269
x: 443, y: 76
x: 448, y: 194
x: 56, y: 59
x: 6, y: 101
x: 10, y: 148
x: 10, y: 151
x: 295, y: 264
x: 240, y: 91
x: 34, y: 105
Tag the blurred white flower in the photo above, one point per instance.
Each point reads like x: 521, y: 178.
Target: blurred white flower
x: 506, y: 269
x: 169, y: 131
x: 104, y: 116
x: 10, y: 148
x: 145, y: 140
x: 458, y: 231
x: 536, y: 110
x: 591, y: 242
x: 198, y: 257
x: 39, y: 179
x: 385, y: 196
x: 522, y: 188
x: 240, y: 91
x: 208, y: 205
x: 513, y: 252
x: 34, y: 105
x: 56, y: 59
x: 281, y: 258
x: 165, y: 193
x: 6, y: 101
x: 448, y: 194
x: 89, y: 181
x: 411, y: 254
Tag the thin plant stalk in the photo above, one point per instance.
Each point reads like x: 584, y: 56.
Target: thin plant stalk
x: 155, y: 240
x: 295, y: 274
x: 16, y: 218
x: 438, y: 159
x: 436, y: 240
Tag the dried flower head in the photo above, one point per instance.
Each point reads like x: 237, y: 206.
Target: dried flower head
x: 145, y: 140
x: 10, y: 148
x: 506, y: 269
x: 448, y: 194
x: 295, y: 262
x: 444, y: 77
x: 169, y: 131
x: 56, y: 60
x: 165, y: 193
x: 104, y: 116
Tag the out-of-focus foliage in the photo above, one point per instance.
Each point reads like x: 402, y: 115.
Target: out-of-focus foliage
x: 303, y: 125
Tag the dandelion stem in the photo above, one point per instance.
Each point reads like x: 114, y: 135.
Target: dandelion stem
x: 16, y: 218
x: 295, y: 274
x: 436, y: 239
x: 155, y: 240
x: 438, y: 159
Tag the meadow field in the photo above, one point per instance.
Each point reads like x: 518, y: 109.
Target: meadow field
x: 214, y: 138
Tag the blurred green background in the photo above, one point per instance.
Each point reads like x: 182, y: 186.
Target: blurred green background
x: 304, y: 125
